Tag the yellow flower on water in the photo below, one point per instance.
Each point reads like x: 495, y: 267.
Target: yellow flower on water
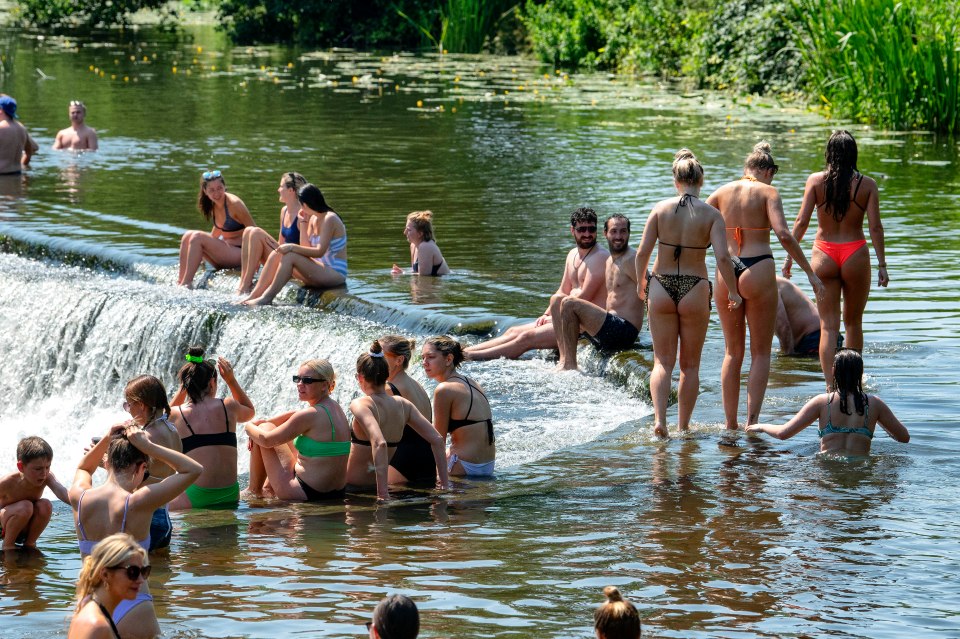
x: 113, y: 76
x: 115, y: 61
x: 174, y: 69
x: 146, y: 59
x: 456, y: 79
x: 91, y: 67
x: 289, y: 65
x: 199, y: 49
x: 453, y: 109
x: 213, y: 68
x: 419, y: 104
x: 354, y: 79
x: 126, y: 78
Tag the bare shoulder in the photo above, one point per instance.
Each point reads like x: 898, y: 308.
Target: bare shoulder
x: 815, y: 179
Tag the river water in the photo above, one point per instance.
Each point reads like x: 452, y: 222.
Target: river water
x: 710, y: 538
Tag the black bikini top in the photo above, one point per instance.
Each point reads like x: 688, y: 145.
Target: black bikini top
x: 454, y: 424
x: 366, y: 442
x: 678, y: 248
x: 194, y: 440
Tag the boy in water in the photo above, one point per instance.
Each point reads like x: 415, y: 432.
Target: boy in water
x: 23, y: 512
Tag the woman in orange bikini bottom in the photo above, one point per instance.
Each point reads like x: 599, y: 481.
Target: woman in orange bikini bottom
x: 839, y: 252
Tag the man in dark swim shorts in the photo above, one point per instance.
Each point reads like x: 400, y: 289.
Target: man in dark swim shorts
x: 798, y: 324
x: 612, y: 329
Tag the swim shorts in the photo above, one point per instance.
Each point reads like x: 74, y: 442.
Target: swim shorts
x: 226, y: 497
x: 161, y: 528
x: 616, y: 334
x: 809, y: 344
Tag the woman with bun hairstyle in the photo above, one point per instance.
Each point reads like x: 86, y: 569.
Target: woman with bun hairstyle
x: 616, y: 618
x: 378, y: 423
x: 110, y: 574
x: 304, y: 452
x: 678, y: 291
x: 843, y: 197
x: 472, y: 446
x: 221, y: 246
x: 413, y: 460
x: 425, y: 256
x: 751, y: 207
x: 208, y: 430
x: 258, y: 244
x: 125, y: 503
x: 321, y: 261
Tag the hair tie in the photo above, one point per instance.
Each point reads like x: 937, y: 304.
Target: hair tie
x: 372, y: 354
x: 195, y: 359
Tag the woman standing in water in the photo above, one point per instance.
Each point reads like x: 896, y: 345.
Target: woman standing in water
x: 843, y: 197
x: 322, y: 262
x: 378, y: 423
x: 751, y: 207
x: 848, y: 416
x: 208, y: 430
x: 413, y: 460
x: 112, y: 573
x: 221, y: 246
x: 678, y: 303
x: 258, y: 244
x: 472, y: 446
x: 303, y: 453
x: 425, y: 256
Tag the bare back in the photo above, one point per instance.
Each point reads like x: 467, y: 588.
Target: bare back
x: 683, y: 235
x: 863, y: 200
x: 209, y: 417
x: 745, y: 206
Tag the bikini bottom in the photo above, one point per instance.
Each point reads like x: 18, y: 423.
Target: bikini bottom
x: 469, y: 468
x: 313, y: 494
x: 741, y: 264
x: 677, y: 286
x: 839, y: 252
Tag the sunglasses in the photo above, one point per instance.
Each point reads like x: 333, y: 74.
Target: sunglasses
x: 297, y: 379
x: 211, y: 175
x: 134, y: 572
x: 585, y: 229
x: 776, y: 168
x: 369, y: 625
x: 76, y: 103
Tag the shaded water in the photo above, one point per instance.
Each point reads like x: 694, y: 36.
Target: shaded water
x: 710, y: 538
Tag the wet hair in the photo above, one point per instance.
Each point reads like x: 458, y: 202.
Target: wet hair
x: 122, y: 454
x: 149, y: 391
x: 323, y: 369
x: 312, y: 196
x: 761, y: 158
x: 616, y: 618
x: 204, y: 203
x: 583, y: 214
x: 616, y: 216
x: 295, y: 181
x: 841, y: 158
x: 30, y: 448
x: 422, y: 221
x: 396, y: 617
x: 687, y: 168
x: 447, y: 346
x: 399, y: 346
x: 195, y: 378
x: 115, y: 550
x: 372, y: 366
x: 848, y: 378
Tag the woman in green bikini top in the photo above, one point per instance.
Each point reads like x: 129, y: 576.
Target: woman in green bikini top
x: 303, y: 453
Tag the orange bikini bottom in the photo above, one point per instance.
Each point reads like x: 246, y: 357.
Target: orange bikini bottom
x: 839, y: 252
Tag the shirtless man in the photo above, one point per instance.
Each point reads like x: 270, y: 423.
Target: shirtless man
x: 78, y: 136
x: 16, y: 145
x: 798, y: 324
x: 23, y: 512
x: 582, y: 278
x: 616, y: 328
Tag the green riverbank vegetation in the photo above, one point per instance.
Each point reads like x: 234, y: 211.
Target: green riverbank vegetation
x: 894, y: 64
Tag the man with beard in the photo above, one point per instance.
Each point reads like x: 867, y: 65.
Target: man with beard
x: 582, y: 279
x: 617, y: 327
x: 78, y: 136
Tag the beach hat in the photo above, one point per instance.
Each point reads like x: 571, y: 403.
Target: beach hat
x: 9, y: 106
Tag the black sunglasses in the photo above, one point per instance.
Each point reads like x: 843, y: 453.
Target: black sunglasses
x: 369, y: 625
x: 134, y: 572
x: 586, y: 229
x: 297, y: 379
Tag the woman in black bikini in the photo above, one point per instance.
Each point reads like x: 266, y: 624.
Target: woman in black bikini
x: 221, y: 246
x: 425, y: 256
x: 751, y: 208
x: 413, y: 460
x: 112, y: 573
x: 678, y: 304
x: 378, y: 423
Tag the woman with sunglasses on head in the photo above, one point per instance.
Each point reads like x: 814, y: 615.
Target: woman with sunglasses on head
x: 425, y: 255
x: 221, y: 246
x: 208, y: 430
x: 125, y: 503
x: 320, y: 262
x: 678, y: 291
x: 378, y: 423
x: 303, y: 453
x: 258, y: 244
x: 112, y: 573
x: 413, y: 460
x: 751, y: 208
x: 472, y: 446
x: 843, y: 197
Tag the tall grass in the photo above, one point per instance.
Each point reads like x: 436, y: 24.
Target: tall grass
x: 464, y: 25
x: 892, y: 63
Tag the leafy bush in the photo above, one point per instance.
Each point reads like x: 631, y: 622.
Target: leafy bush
x: 90, y: 13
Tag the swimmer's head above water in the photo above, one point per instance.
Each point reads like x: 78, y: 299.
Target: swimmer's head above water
x: 687, y: 168
x: 196, y: 377
x: 372, y: 366
x: 616, y: 618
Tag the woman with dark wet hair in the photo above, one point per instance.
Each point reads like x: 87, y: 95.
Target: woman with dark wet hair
x: 843, y: 198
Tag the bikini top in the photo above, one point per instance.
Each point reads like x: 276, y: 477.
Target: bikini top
x: 194, y: 440
x: 454, y: 424
x: 87, y: 545
x: 310, y: 447
x: 434, y: 269
x: 678, y: 248
x: 290, y: 233
x: 109, y: 617
x: 366, y: 442
x: 830, y: 429
x: 230, y: 225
